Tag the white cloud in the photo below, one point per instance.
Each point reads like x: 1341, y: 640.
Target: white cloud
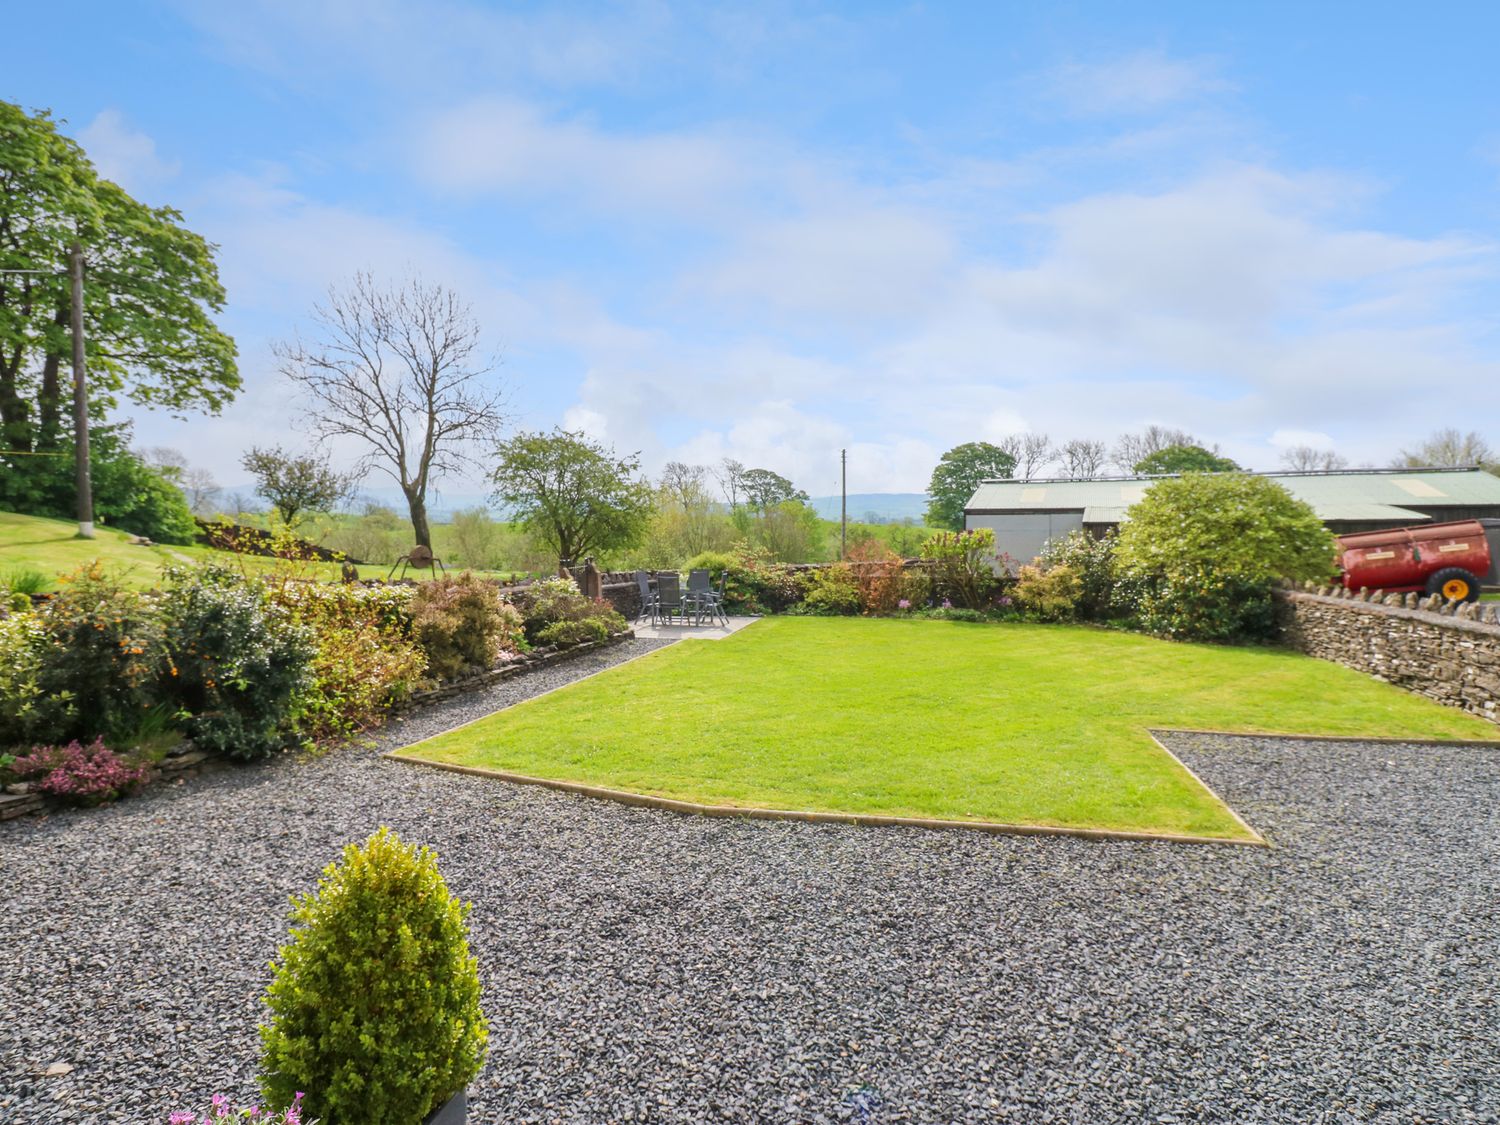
x: 855, y: 263
x: 125, y: 155
x: 441, y: 44
x: 1136, y: 83
x: 504, y: 145
x: 790, y: 303
x: 1294, y: 439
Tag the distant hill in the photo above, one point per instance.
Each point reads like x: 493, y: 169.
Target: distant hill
x: 885, y: 507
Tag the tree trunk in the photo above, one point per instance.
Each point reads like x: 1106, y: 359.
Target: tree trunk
x: 417, y: 503
x: 49, y: 402
x: 15, y: 412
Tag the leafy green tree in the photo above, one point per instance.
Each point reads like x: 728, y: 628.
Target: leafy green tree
x: 128, y: 493
x: 764, y: 489
x: 294, y: 484
x: 1207, y: 548
x: 151, y: 290
x: 958, y: 475
x: 789, y: 532
x: 1184, y: 459
x: 573, y: 494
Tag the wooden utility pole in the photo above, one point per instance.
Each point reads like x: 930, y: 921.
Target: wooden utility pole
x: 843, y: 503
x: 80, y: 400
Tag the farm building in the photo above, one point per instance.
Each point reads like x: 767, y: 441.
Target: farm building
x: 1026, y: 514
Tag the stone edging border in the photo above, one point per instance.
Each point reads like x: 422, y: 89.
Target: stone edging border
x: 875, y: 820
x: 1492, y: 743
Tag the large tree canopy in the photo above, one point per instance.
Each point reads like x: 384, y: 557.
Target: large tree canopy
x: 956, y: 477
x: 764, y: 489
x: 574, y: 494
x: 151, y: 290
x: 1184, y: 459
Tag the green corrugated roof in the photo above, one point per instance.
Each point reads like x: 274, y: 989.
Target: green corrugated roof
x: 1352, y: 495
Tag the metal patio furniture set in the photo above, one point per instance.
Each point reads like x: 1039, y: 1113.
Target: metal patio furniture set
x: 700, y: 602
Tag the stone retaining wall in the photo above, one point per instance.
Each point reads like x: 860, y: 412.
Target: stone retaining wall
x: 1447, y: 652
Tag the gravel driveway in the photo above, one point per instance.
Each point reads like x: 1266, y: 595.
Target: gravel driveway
x: 642, y: 966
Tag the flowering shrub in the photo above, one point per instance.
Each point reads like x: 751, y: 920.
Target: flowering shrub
x: 553, y: 601
x: 235, y: 661
x: 23, y: 646
x: 832, y: 591
x: 78, y: 774
x: 880, y: 574
x: 375, y: 999
x: 99, y: 661
x: 961, y: 566
x: 1050, y: 594
x: 364, y: 658
x: 463, y: 624
x: 755, y: 584
x: 221, y: 1110
x: 1104, y: 595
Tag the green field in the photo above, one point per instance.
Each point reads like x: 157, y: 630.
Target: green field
x: 52, y: 547
x: 1024, y: 724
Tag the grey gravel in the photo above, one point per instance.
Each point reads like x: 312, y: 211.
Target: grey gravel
x: 643, y: 966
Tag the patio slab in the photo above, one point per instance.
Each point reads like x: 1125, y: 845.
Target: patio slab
x: 716, y: 631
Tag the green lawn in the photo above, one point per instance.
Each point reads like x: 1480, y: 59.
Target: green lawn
x: 1024, y: 724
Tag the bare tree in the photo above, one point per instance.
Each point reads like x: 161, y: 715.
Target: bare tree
x: 1033, y: 452
x: 731, y: 477
x: 1309, y: 459
x: 397, y: 370
x: 1447, y: 449
x: 1083, y: 458
x: 200, y: 488
x: 1131, y: 449
x: 167, y: 461
x: 684, y: 483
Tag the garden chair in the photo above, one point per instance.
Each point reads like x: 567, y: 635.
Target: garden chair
x: 669, y: 600
x: 716, y: 602
x: 710, y: 602
x: 699, y: 591
x: 648, y: 596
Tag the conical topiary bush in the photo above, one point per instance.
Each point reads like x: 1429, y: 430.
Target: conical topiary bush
x: 375, y: 1002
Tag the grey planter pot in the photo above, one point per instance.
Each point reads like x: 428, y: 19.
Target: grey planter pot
x: 455, y: 1111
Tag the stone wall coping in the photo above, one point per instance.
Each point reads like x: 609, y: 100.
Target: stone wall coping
x: 1421, y: 616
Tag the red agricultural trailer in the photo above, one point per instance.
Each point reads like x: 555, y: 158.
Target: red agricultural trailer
x: 1452, y: 559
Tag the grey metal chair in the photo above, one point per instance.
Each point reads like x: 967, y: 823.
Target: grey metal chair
x: 714, y: 602
x: 669, y: 600
x: 699, y: 592
x: 648, y: 596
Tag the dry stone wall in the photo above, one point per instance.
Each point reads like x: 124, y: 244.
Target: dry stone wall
x: 1446, y: 651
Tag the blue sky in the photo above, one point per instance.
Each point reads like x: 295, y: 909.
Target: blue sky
x: 770, y: 231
